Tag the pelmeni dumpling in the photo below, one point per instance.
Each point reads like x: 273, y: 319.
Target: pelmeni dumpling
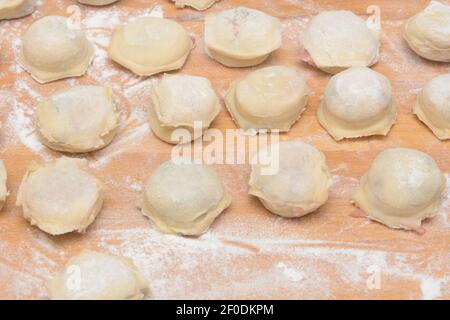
x: 80, y: 119
x: 52, y: 49
x: 402, y: 187
x: 428, y: 32
x: 3, y: 188
x: 93, y: 275
x: 433, y: 106
x: 150, y: 45
x: 268, y: 98
x: 241, y: 37
x: 337, y: 40
x: 60, y: 196
x: 357, y: 103
x: 182, y: 102
x: 12, y: 9
x: 196, y: 4
x: 290, y: 178
x: 184, y: 198
x: 97, y: 2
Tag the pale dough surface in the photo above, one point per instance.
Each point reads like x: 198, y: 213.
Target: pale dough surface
x: 150, y: 45
x: 357, y: 102
x: 241, y: 37
x: 52, y: 49
x: 428, y: 32
x: 299, y: 186
x: 184, y: 198
x: 13, y: 9
x: 196, y: 4
x: 433, y: 106
x: 93, y: 275
x: 268, y: 98
x: 79, y: 119
x: 97, y: 2
x: 182, y: 102
x: 337, y: 40
x: 60, y: 196
x: 402, y: 187
x: 3, y: 187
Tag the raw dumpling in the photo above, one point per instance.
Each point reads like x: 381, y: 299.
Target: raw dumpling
x: 3, y: 189
x: 60, y: 196
x: 196, y: 4
x: 97, y: 2
x: 428, y: 32
x: 150, y: 45
x: 241, y: 37
x: 184, y: 198
x: 291, y: 178
x: 433, y: 106
x: 357, y: 103
x: 402, y: 187
x: 52, y: 50
x: 337, y: 40
x: 79, y: 119
x: 12, y: 9
x: 268, y: 98
x: 182, y: 102
x: 93, y: 275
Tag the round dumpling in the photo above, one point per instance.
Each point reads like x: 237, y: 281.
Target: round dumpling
x: 182, y: 102
x: 184, y: 198
x: 79, y: 119
x: 150, y: 45
x: 268, y: 98
x: 428, y: 32
x: 402, y: 187
x: 13, y: 9
x: 97, y: 2
x: 337, y: 40
x: 60, y: 196
x: 241, y: 37
x: 93, y: 275
x: 52, y: 50
x: 357, y: 103
x: 290, y: 178
x: 433, y: 106
x: 196, y: 4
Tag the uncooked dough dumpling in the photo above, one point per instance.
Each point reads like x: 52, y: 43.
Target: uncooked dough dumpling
x: 3, y: 188
x: 337, y: 40
x: 52, y: 50
x: 12, y: 9
x: 402, y: 187
x: 196, y: 4
x: 290, y: 178
x: 433, y: 106
x: 268, y: 98
x: 60, y: 196
x: 357, y: 103
x: 428, y: 32
x: 150, y: 45
x: 80, y: 119
x: 93, y: 275
x: 184, y: 198
x: 182, y: 102
x: 97, y: 2
x: 241, y: 37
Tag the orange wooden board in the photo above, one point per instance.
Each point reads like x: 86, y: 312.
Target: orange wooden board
x: 248, y: 253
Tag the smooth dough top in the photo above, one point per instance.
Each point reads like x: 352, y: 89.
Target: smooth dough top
x: 80, y: 119
x: 428, y: 32
x: 336, y: 40
x: 268, y: 98
x: 242, y: 33
x: 53, y: 50
x: 60, y: 196
x: 196, y: 4
x: 97, y: 276
x: 149, y: 45
x: 184, y: 198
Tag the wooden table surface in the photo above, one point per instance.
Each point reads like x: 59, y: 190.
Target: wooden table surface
x: 248, y: 253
